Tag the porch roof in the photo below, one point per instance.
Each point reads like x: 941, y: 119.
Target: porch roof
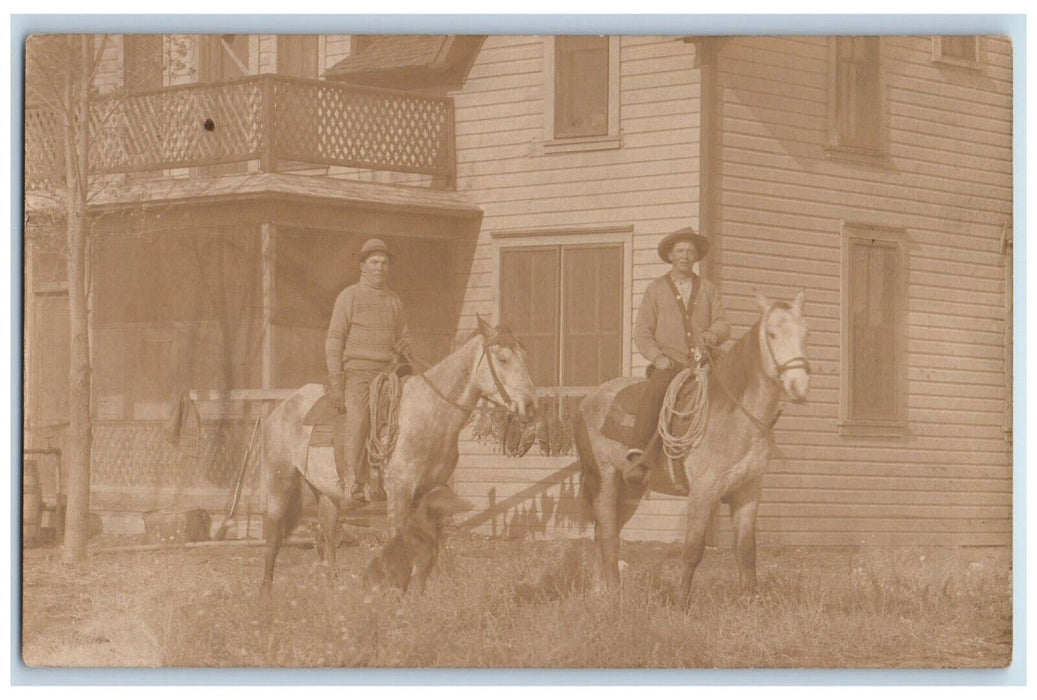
x: 407, y: 61
x: 368, y: 195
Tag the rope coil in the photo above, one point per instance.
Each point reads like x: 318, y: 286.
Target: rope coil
x: 384, y: 405
x: 678, y: 446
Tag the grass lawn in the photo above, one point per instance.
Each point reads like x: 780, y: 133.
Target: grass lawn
x: 522, y: 604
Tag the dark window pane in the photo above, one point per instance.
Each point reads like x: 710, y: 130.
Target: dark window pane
x: 142, y: 61
x: 581, y: 86
x: 873, y: 331
x: 592, y: 330
x: 857, y: 103
x: 959, y: 47
x: 297, y: 55
x: 529, y: 306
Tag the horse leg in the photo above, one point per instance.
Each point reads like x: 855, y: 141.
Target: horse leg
x: 700, y: 512
x: 282, y: 494
x: 327, y: 513
x: 744, y: 504
x: 607, y: 526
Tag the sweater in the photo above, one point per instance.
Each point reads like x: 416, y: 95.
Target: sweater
x: 366, y: 325
x: 666, y: 326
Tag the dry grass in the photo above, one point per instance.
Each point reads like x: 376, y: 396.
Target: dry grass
x: 496, y: 603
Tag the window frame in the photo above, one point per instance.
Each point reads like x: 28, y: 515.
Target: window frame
x: 613, y: 137
x: 896, y: 424
x: 620, y: 236
x: 834, y: 143
x: 938, y: 55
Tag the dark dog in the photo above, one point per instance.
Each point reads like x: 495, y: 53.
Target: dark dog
x: 409, y: 557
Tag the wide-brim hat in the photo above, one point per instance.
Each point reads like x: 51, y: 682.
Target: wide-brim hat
x: 687, y: 233
x: 372, y: 246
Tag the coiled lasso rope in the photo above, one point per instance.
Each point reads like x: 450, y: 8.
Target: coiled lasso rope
x: 678, y: 446
x: 385, y: 408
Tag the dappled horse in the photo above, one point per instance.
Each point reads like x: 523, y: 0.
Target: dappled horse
x: 434, y: 406
x: 746, y: 387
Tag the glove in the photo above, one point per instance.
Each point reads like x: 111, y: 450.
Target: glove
x: 662, y: 362
x: 403, y: 348
x: 708, y: 338
x: 336, y: 389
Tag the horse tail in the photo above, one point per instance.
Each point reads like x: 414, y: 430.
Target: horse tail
x: 590, y: 479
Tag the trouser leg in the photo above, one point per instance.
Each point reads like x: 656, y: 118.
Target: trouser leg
x: 647, y: 419
x: 358, y: 424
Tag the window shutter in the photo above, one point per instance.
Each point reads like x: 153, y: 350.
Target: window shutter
x: 297, y: 55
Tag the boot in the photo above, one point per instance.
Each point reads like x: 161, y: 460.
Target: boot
x: 635, y: 473
x: 357, y: 493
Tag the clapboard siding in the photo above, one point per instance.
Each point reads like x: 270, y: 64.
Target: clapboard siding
x: 945, y: 182
x: 649, y: 183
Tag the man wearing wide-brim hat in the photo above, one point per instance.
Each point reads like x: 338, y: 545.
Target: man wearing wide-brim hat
x: 678, y: 312
x: 367, y: 328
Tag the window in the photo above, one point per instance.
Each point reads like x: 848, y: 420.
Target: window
x: 873, y: 332
x: 223, y: 57
x: 582, y: 96
x: 566, y: 304
x: 297, y: 55
x: 956, y: 50
x: 142, y: 62
x: 854, y: 99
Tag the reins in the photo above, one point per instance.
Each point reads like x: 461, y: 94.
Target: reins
x: 797, y: 362
x: 487, y: 343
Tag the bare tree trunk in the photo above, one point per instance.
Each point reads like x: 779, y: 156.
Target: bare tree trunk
x: 80, y: 430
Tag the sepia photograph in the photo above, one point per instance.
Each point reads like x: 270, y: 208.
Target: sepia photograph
x: 516, y: 351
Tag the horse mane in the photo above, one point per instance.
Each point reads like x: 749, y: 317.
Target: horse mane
x: 734, y: 368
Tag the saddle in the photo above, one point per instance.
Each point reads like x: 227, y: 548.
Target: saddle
x: 665, y: 475
x: 325, y: 417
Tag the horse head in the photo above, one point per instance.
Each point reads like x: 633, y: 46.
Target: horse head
x: 501, y: 374
x: 783, y: 335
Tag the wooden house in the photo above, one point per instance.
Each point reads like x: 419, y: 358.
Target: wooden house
x: 531, y: 178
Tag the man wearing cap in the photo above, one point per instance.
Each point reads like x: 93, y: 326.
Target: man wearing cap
x: 367, y: 328
x: 678, y: 312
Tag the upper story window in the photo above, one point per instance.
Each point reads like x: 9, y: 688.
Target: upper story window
x: 142, y: 61
x: 873, y: 392
x: 223, y: 57
x: 957, y: 50
x: 582, y: 92
x: 297, y: 55
x: 855, y: 95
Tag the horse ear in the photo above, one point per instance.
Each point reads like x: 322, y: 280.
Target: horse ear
x: 763, y: 302
x: 484, y: 327
x: 797, y: 303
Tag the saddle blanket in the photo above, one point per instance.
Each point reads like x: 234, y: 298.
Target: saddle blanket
x: 666, y: 476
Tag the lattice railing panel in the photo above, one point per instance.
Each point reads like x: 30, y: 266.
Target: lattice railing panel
x: 168, y: 128
x: 352, y: 126
x: 139, y: 455
x: 44, y: 163
x: 267, y: 117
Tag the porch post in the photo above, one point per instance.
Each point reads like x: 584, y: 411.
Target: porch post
x: 269, y: 244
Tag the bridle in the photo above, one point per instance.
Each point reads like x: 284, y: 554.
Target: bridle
x: 780, y: 368
x: 507, y: 405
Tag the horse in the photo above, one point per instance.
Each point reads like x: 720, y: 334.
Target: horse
x: 433, y: 407
x: 746, y: 387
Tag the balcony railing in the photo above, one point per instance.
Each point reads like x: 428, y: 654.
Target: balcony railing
x: 270, y: 119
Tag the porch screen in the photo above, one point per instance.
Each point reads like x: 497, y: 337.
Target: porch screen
x: 565, y: 304
x: 314, y: 266
x: 175, y: 310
